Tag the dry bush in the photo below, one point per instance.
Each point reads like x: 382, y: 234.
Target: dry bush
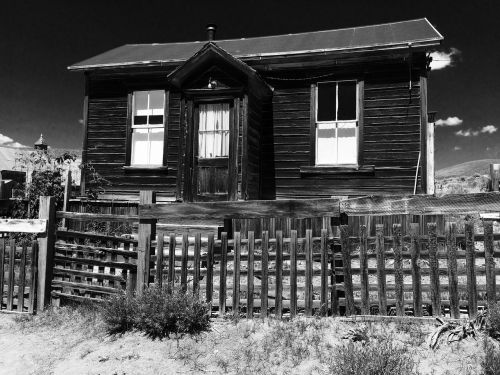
x: 491, y: 362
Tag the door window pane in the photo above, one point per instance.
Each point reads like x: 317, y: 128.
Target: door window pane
x: 213, y: 132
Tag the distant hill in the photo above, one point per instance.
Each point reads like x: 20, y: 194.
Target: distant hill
x: 467, y: 169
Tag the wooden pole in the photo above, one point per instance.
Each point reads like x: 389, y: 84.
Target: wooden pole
x: 46, y: 243
x: 495, y: 176
x: 67, y: 195
x: 430, y: 158
x: 147, y: 231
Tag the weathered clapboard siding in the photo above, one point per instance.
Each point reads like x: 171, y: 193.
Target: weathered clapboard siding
x: 391, y: 139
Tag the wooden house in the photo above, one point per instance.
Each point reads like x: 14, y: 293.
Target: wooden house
x: 317, y: 114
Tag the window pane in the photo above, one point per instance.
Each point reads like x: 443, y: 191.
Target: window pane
x: 140, y: 120
x: 140, y: 147
x: 347, y: 101
x: 156, y: 146
x: 327, y: 93
x: 347, y: 143
x: 213, y: 139
x: 156, y: 120
x: 141, y: 103
x: 156, y: 102
x: 326, y: 152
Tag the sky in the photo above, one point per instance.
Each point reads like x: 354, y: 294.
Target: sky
x: 39, y: 39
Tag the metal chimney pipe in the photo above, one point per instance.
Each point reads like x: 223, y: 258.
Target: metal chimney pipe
x: 211, y: 29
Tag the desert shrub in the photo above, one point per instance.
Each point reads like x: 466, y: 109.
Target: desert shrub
x: 373, y: 358
x: 491, y: 361
x: 493, y: 321
x: 157, y: 312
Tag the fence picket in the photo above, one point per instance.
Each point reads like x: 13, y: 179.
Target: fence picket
x: 223, y: 275
x: 434, y: 266
x: 334, y: 302
x: 363, y: 263
x: 489, y: 262
x: 10, y: 281
x: 22, y: 279
x: 293, y: 273
x: 279, y: 275
x: 184, y: 261
x: 381, y: 279
x: 324, y: 272
x: 159, y: 260
x: 197, y: 263
x: 236, y: 274
x: 350, y: 308
x: 309, y: 273
x: 264, y: 271
x: 171, y: 259
x: 415, y: 269
x: 470, y: 262
x: 250, y: 276
x: 451, y: 250
x: 210, y: 268
x: 33, y: 276
x: 2, y: 269
x: 398, y: 268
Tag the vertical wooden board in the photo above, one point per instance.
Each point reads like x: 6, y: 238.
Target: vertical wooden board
x: 197, y: 263
x: 308, y: 248
x: 451, y: 253
x: 33, y: 276
x: 159, y: 260
x: 470, y: 264
x: 434, y: 269
x: 22, y: 279
x: 363, y: 261
x: 46, y: 252
x: 264, y: 281
x: 324, y: 272
x: 398, y: 269
x: 2, y: 270
x: 293, y: 273
x: 381, y: 274
x: 210, y: 268
x: 415, y: 269
x: 223, y: 275
x: 489, y: 263
x: 184, y: 261
x: 171, y: 259
x: 236, y: 273
x: 11, y: 280
x: 334, y: 302
x: 350, y: 309
x: 250, y: 274
x: 146, y: 231
x: 279, y: 274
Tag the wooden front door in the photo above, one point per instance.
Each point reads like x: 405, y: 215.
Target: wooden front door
x: 213, y: 122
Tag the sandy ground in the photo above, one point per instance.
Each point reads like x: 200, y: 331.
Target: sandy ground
x: 229, y: 348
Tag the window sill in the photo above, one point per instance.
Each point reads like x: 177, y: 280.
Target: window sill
x: 367, y: 170
x: 131, y: 168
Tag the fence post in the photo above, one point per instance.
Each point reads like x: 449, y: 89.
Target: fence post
x: 147, y: 231
x: 495, y: 176
x: 67, y: 195
x: 46, y: 243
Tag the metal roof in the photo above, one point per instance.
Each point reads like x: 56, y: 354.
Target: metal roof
x: 418, y: 33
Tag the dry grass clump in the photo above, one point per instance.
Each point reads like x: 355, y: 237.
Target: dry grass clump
x: 462, y: 185
x: 491, y: 362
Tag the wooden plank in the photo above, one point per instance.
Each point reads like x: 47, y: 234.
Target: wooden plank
x: 23, y: 225
x: 171, y: 260
x: 398, y: 269
x: 334, y: 303
x: 292, y: 208
x: 22, y: 279
x: 46, y: 243
x: 293, y: 273
x: 210, y: 268
x: 451, y: 251
x: 430, y: 159
x: 236, y: 274
x: 363, y: 262
x: 381, y: 274
x: 33, y: 275
x: 65, y: 272
x: 264, y: 285
x: 495, y: 176
x: 489, y: 262
x: 159, y: 260
x: 92, y: 236
x: 308, y: 249
x: 2, y: 269
x: 83, y: 216
x: 184, y: 261
x: 434, y: 269
x: 67, y: 194
x: 11, y: 279
x: 250, y: 275
x: 470, y: 262
x: 324, y: 272
x: 223, y: 275
x: 279, y: 275
x: 415, y: 269
x: 346, y: 266
x: 146, y: 232
x: 197, y: 263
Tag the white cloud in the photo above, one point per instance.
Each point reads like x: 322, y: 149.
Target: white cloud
x: 467, y: 133
x: 457, y: 148
x: 8, y: 141
x: 442, y: 59
x: 450, y: 121
x: 489, y: 129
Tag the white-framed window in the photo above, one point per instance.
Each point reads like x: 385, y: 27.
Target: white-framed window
x: 148, y: 129
x: 337, y: 123
x: 213, y: 130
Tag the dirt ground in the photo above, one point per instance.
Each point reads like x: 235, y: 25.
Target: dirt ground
x: 73, y: 345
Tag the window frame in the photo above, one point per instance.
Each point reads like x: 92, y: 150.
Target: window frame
x: 130, y: 128
x: 359, y: 123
